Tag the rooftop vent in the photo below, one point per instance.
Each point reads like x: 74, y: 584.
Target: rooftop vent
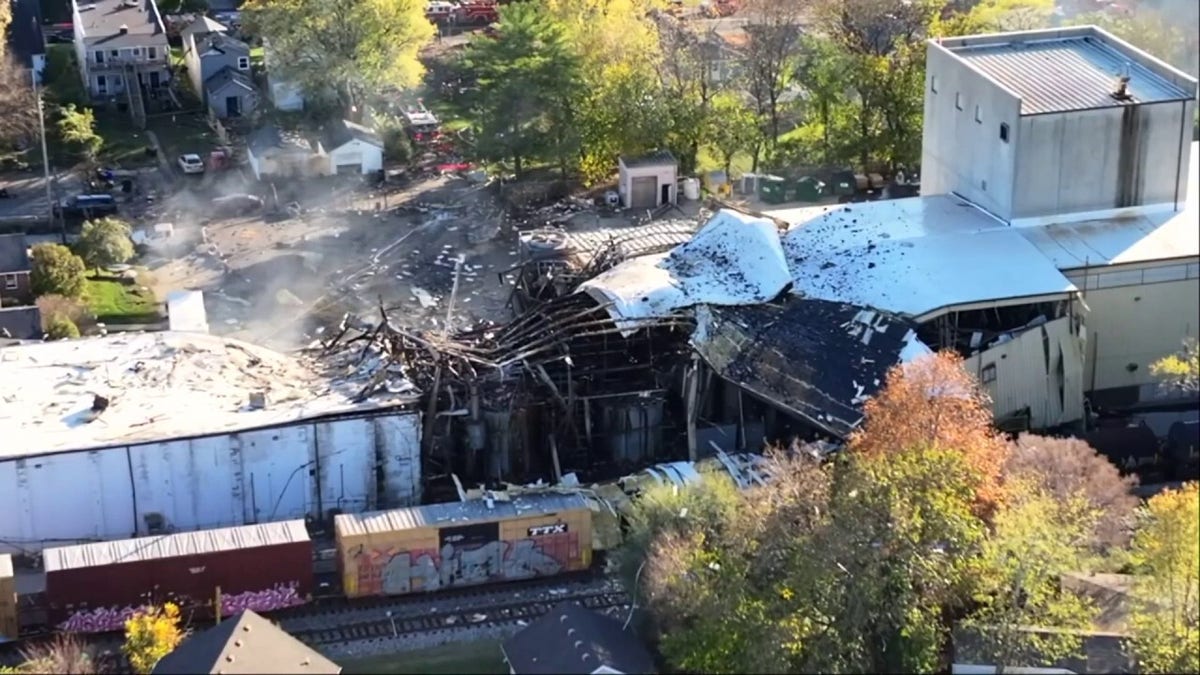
x: 258, y: 400
x: 1121, y: 89
x: 123, y: 30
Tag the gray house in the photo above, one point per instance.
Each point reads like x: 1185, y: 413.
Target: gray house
x: 219, y: 69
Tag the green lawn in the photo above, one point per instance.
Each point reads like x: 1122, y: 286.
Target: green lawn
x: 124, y: 145
x: 181, y: 134
x: 472, y: 658
x: 116, y: 303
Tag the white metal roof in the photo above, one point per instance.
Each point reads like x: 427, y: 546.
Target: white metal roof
x: 185, y: 311
x: 1071, y: 69
x: 104, y: 553
x: 160, y: 386
x: 451, y: 514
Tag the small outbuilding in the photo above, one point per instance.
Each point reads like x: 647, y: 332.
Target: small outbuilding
x: 648, y: 181
x: 571, y: 640
x: 351, y: 148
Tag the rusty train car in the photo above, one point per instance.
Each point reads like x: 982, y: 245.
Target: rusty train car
x: 94, y: 588
x: 427, y: 548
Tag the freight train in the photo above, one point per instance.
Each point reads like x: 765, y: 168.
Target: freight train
x: 95, y: 587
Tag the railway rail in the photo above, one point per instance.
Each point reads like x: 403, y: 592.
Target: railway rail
x: 391, y: 626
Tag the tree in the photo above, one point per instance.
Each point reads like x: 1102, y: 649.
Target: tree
x: 1181, y: 370
x: 733, y: 128
x: 934, y: 401
x: 77, y: 127
x: 61, y: 328
x: 774, y: 34
x: 528, y: 82
x: 1036, y: 538
x: 18, y: 106
x: 1068, y: 468
x: 150, y: 635
x: 998, y: 16
x: 1166, y: 612
x: 343, y: 50
x: 688, y: 75
x: 56, y: 270
x: 105, y: 242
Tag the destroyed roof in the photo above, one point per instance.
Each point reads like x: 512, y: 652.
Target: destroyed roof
x: 919, y: 257
x: 819, y: 359
x: 165, y: 385
x: 456, y: 513
x: 570, y: 639
x: 631, y: 242
x: 243, y: 644
x: 271, y: 137
x: 734, y: 259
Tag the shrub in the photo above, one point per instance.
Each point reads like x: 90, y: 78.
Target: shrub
x: 53, y: 306
x: 61, y: 328
x: 105, y: 242
x: 57, y: 271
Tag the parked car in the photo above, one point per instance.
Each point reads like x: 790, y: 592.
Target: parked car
x: 236, y: 205
x: 87, y: 207
x: 191, y: 163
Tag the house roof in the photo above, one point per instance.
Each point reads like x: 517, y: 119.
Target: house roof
x: 14, y: 253
x: 244, y: 644
x: 340, y: 132
x: 1069, y: 69
x: 656, y: 158
x: 224, y: 44
x: 272, y: 137
x: 225, y: 77
x: 819, y: 359
x: 20, y: 323
x: 570, y: 639
x: 100, y: 22
x: 204, y: 24
x: 25, y: 36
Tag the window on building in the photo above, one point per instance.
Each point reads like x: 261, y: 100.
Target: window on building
x: 152, y: 52
x: 115, y: 53
x: 933, y: 83
x: 1004, y: 132
x: 243, y: 63
x: 988, y: 374
x: 137, y: 51
x: 101, y: 82
x: 99, y: 56
x: 10, y: 282
x: 958, y: 100
x: 978, y: 115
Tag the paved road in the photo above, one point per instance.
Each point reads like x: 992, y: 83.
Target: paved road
x: 28, y: 192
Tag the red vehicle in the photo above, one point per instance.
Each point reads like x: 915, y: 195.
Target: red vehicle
x: 440, y: 12
x: 93, y: 588
x: 477, y: 12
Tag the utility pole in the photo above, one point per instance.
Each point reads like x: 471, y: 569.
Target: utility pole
x: 45, y: 155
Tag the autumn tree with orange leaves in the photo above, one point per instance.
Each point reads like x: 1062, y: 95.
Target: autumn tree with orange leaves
x: 928, y: 521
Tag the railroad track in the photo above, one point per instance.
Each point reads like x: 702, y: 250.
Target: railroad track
x: 496, y: 615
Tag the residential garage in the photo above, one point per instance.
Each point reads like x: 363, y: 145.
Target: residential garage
x: 352, y: 148
x: 649, y: 181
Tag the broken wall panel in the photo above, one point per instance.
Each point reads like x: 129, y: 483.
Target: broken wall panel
x: 1038, y: 372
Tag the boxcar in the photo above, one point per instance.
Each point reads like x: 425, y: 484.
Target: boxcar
x: 426, y: 548
x: 95, y: 587
x: 10, y: 624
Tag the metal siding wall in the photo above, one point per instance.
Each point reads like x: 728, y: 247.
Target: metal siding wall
x: 1025, y: 378
x: 1067, y: 162
x: 398, y: 448
x: 347, y: 460
x: 275, y: 464
x: 1139, y: 325
x: 187, y: 482
x: 76, y: 496
x: 15, y: 525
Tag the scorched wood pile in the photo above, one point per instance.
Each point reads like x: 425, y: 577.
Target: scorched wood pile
x: 558, y: 389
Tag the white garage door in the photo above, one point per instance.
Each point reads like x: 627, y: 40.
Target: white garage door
x: 643, y: 192
x: 349, y: 162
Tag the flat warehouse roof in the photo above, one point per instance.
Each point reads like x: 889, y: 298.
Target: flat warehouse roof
x: 159, y: 386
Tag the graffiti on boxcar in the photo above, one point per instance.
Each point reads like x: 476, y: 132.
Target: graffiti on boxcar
x: 105, y: 619
x: 395, y: 572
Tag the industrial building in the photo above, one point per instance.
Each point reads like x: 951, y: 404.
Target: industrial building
x: 1056, y: 245
x: 152, y: 433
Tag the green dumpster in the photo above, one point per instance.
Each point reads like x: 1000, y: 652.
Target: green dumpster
x: 772, y: 189
x: 808, y: 189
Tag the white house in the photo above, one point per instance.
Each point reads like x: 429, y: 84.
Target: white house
x: 649, y: 181
x: 121, y: 48
x: 351, y: 148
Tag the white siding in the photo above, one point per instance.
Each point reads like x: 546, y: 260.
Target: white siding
x: 1041, y: 369
x: 364, y: 155
x: 664, y: 174
x: 264, y: 475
